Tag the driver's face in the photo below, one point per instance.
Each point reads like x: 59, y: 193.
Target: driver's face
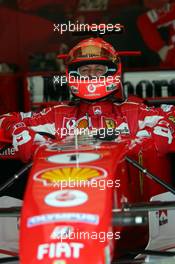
x: 91, y: 70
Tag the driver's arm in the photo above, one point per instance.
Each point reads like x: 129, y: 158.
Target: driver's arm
x: 159, y: 125
x: 23, y: 128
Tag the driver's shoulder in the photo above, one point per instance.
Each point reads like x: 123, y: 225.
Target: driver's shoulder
x: 135, y: 107
x: 65, y: 107
x: 129, y: 105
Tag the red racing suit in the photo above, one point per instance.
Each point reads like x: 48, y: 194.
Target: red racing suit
x: 131, y: 119
x: 150, y: 131
x: 149, y: 24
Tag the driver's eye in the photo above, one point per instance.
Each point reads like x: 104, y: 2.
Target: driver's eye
x: 84, y: 71
x: 99, y: 70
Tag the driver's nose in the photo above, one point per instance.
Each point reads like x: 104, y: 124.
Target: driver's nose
x: 92, y: 73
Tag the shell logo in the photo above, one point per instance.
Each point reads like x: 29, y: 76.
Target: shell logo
x: 71, y: 174
x: 83, y: 123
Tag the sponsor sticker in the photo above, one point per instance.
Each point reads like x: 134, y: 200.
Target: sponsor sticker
x: 110, y: 87
x: 74, y: 89
x: 97, y: 110
x: 73, y: 158
x: 7, y: 152
x: 71, y: 123
x: 63, y: 217
x: 66, y: 198
x: 163, y: 217
x: 91, y: 88
x: 110, y: 123
x: 82, y: 122
x: 166, y: 108
x: 61, y: 232
x: 59, y: 250
x: 172, y: 119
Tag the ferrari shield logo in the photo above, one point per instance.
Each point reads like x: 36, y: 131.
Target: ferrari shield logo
x: 110, y: 123
x: 172, y: 119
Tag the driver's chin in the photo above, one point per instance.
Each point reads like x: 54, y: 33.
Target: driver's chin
x: 109, y: 97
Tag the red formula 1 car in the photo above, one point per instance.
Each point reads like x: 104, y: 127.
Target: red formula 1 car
x: 86, y: 201
x: 88, y: 196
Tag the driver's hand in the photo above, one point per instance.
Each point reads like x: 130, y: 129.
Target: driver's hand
x: 23, y: 138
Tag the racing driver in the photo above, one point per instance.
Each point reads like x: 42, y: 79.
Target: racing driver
x: 93, y: 70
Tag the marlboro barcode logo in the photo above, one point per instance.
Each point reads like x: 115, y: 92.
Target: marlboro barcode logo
x: 163, y: 217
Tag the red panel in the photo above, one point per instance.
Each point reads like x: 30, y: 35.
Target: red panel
x: 9, y: 93
x: 22, y: 34
x: 33, y: 5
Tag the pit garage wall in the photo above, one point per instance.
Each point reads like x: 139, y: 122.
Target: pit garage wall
x: 150, y: 84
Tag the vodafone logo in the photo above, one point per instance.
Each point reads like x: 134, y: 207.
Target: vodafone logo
x: 66, y: 198
x: 70, y: 124
x: 91, y: 88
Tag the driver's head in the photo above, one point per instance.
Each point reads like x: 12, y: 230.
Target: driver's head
x: 93, y: 69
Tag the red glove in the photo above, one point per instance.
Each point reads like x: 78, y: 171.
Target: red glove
x: 23, y: 139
